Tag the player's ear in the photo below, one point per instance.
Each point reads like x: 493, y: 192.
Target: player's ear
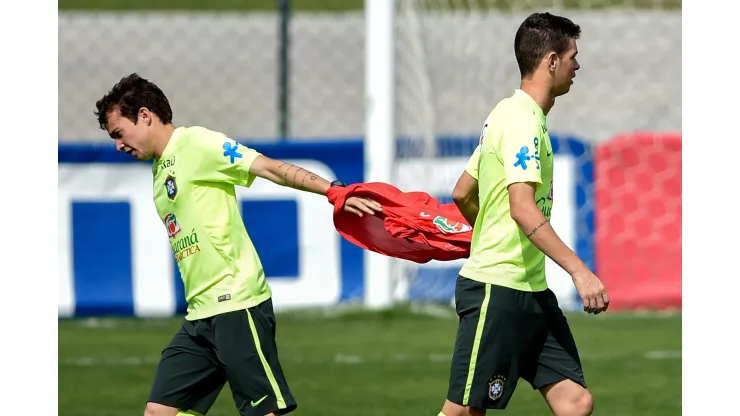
x: 145, y: 116
x: 552, y: 60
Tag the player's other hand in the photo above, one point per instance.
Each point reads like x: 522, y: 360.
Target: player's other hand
x: 592, y: 292
x: 360, y: 206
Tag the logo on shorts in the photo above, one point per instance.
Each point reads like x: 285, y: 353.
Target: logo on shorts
x: 450, y: 227
x: 257, y: 403
x: 496, y: 387
x: 173, y: 227
x: 171, y: 187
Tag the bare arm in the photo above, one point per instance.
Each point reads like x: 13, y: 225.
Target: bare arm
x: 465, y: 195
x: 537, y: 227
x: 286, y: 174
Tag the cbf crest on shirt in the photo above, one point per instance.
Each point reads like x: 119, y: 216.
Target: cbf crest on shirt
x: 171, y: 186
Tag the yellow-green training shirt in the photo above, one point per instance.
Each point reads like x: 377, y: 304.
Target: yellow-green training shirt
x: 515, y: 147
x: 195, y: 197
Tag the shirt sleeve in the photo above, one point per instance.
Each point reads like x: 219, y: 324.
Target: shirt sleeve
x: 519, y: 150
x: 472, y: 166
x: 221, y: 159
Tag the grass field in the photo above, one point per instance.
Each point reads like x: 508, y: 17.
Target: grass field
x: 373, y: 363
x: 345, y: 5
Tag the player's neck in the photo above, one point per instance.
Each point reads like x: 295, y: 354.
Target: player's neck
x: 161, y: 137
x: 540, y: 93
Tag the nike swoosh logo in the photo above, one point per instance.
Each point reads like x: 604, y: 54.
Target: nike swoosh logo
x: 549, y: 153
x: 424, y: 214
x: 257, y: 403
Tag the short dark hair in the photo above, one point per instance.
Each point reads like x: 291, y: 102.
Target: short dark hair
x: 539, y: 34
x: 128, y: 96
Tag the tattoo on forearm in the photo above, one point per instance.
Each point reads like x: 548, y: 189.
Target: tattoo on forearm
x: 534, y: 230
x: 295, y: 175
x: 294, y: 183
x: 285, y: 174
x: 288, y: 182
x: 303, y: 181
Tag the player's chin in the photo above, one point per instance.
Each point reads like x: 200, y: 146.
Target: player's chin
x: 141, y: 156
x: 562, y: 90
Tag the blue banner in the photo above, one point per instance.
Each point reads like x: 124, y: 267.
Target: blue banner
x: 115, y: 258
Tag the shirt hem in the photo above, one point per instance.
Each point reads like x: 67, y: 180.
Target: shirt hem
x: 203, y: 313
x: 520, y: 286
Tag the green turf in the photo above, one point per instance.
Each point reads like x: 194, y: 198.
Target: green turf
x: 373, y: 364
x: 344, y: 5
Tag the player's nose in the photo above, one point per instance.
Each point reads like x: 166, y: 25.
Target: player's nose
x: 119, y: 145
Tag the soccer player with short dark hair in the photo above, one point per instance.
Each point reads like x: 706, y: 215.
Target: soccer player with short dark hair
x: 510, y: 325
x: 229, y: 331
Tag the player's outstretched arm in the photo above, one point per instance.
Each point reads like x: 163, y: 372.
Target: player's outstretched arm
x: 538, y: 229
x: 287, y: 174
x: 465, y: 195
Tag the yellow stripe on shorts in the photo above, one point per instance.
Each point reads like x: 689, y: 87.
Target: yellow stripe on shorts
x: 271, y: 377
x: 476, y: 344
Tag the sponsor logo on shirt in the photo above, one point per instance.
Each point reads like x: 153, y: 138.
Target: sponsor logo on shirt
x: 546, y: 209
x: 231, y: 151
x: 523, y: 156
x: 173, y: 227
x: 185, y: 246
x: 450, y: 227
x: 168, y: 163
